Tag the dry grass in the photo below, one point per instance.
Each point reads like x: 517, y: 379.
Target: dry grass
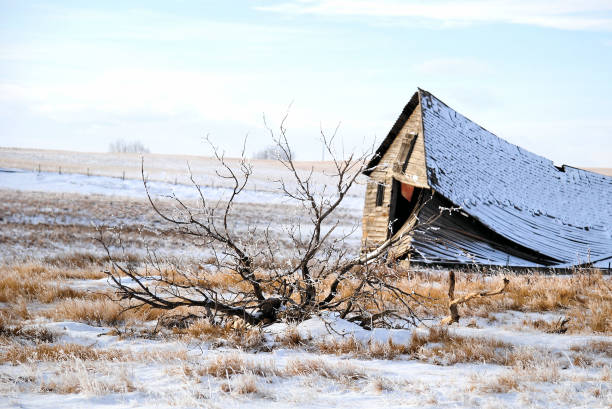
x: 594, y: 347
x: 541, y: 324
x: 292, y: 338
x: 341, y: 371
x: 441, y: 347
x: 229, y: 335
x: 504, y: 383
x: 229, y: 365
x: 61, y: 352
x: 15, y: 313
x: 33, y: 334
x: 99, y: 312
x: 74, y: 376
x: 583, y: 296
x: 94, y: 312
x: 535, y: 368
x: 245, y: 384
x: 16, y: 354
x: 596, y: 315
x: 387, y: 350
x: 15, y: 285
x: 370, y: 350
x: 225, y: 365
x: 79, y: 266
x: 80, y: 261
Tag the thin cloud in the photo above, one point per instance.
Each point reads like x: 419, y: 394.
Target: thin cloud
x: 562, y: 14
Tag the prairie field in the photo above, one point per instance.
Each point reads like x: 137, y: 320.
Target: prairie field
x: 546, y: 341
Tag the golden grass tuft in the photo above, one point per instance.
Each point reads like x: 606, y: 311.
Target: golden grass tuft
x: 528, y: 366
x: 340, y: 371
x: 43, y: 352
x: 17, y: 353
x: 101, y: 312
x: 226, y: 335
x: 594, y: 347
x: 387, y: 350
x: 370, y: 350
x: 229, y: 364
x: 77, y: 260
x: 584, y: 296
x: 34, y: 334
x: 441, y: 347
x: 504, y: 383
x: 54, y: 271
x: 14, y: 286
x: 292, y: 338
x: 343, y: 346
x: 596, y: 314
x: 244, y: 384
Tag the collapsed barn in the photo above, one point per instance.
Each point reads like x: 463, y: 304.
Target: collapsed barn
x: 448, y: 191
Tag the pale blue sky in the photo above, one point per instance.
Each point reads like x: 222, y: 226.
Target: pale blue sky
x: 74, y: 75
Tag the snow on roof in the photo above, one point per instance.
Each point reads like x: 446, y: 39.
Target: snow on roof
x: 564, y: 213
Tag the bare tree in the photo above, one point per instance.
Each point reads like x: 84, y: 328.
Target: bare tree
x: 261, y: 282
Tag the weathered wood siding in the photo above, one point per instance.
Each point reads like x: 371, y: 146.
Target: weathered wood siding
x: 376, y: 218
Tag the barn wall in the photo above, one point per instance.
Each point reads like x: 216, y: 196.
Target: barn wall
x: 375, y: 219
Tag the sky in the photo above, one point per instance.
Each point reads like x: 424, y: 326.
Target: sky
x: 79, y: 75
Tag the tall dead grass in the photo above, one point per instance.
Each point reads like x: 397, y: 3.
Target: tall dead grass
x: 584, y: 296
x: 15, y: 285
x: 369, y: 350
x: 35, y: 334
x: 225, y: 365
x: 228, y: 335
x: 340, y: 371
x: 533, y: 368
x: 441, y: 347
x: 16, y: 354
x: 99, y: 312
x: 230, y: 364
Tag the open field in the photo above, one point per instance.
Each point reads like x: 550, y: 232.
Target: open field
x: 167, y: 168
x: 63, y: 342
x: 159, y: 167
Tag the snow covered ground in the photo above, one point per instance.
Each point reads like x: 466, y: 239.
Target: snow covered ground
x: 171, y: 373
x: 88, y: 362
x: 18, y: 179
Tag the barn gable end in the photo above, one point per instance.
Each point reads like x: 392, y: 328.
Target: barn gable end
x: 401, y: 157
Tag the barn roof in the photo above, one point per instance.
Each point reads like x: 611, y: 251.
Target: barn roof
x: 563, y: 213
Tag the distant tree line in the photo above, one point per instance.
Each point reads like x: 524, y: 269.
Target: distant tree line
x: 121, y: 146
x: 273, y: 152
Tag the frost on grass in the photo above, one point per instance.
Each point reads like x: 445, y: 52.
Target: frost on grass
x: 61, y: 338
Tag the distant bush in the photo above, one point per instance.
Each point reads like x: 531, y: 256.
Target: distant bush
x: 272, y: 152
x: 121, y: 146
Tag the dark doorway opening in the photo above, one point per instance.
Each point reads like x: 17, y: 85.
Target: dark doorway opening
x: 404, y: 199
